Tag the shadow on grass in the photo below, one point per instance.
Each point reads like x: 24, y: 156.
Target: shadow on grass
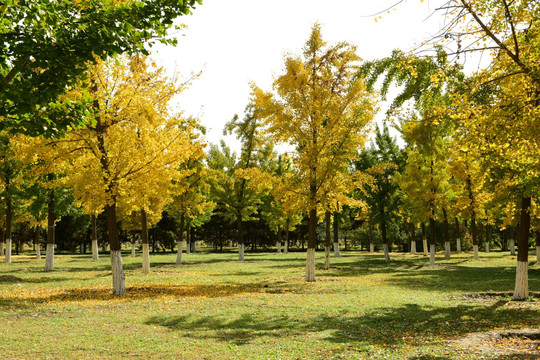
x: 11, y: 279
x: 31, y: 298
x: 409, y: 324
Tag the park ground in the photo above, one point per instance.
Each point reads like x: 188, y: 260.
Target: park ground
x: 214, y: 307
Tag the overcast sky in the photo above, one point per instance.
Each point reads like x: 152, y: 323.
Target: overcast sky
x: 237, y: 41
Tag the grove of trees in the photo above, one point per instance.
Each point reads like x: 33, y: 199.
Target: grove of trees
x: 91, y: 142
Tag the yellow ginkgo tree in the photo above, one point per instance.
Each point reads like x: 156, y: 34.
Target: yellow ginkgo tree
x: 320, y: 108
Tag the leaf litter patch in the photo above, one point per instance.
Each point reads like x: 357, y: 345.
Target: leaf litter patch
x: 524, y: 342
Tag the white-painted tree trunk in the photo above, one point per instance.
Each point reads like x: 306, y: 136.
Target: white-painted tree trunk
x: 188, y: 248
x: 179, y: 252
x: 326, y: 258
x: 458, y: 245
x: 424, y: 243
x: 241, y: 252
x: 447, y: 249
x: 133, y: 248
x: 432, y: 255
x: 538, y: 254
x: 336, y: 250
x: 371, y: 247
x: 512, y: 247
x: 475, y: 250
x: 8, y: 251
x: 38, y: 252
x: 413, y: 247
x: 386, y: 254
x: 310, y: 265
x: 487, y: 247
x: 146, y: 258
x: 279, y: 246
x: 521, y: 291
x: 119, y: 282
x: 49, y: 257
x: 286, y: 249
x: 95, y: 250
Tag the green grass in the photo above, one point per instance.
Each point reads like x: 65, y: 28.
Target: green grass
x: 213, y: 307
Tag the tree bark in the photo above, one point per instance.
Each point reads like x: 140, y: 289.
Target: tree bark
x: 538, y: 246
x: 336, y: 235
x: 488, y: 237
x: 145, y: 243
x: 446, y: 236
x: 371, y: 246
x: 180, y: 240
x: 431, y: 241
x: 310, y: 260
x: 328, y: 240
x: 2, y: 239
x: 385, y: 241
x: 49, y: 257
x: 278, y: 243
x: 240, y: 230
x: 286, y: 250
x: 458, y: 237
x: 9, y: 219
x: 192, y: 238
x: 95, y: 248
x: 413, y: 238
x: 424, y: 239
x: 474, y: 236
x: 119, y: 281
x: 521, y: 290
x: 36, y: 242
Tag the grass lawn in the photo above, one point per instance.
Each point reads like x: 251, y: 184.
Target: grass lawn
x: 214, y: 307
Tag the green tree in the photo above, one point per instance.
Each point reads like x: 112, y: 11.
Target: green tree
x: 47, y: 46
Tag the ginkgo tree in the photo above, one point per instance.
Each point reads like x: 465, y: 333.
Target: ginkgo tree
x: 133, y: 140
x: 320, y: 108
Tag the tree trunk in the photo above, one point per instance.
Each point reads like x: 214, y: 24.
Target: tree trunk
x: 488, y: 237
x: 513, y: 241
x: 188, y: 240
x: 431, y: 241
x: 278, y: 244
x: 336, y: 235
x: 286, y: 240
x: 180, y: 240
x: 240, y: 234
x: 192, y: 238
x: 371, y: 246
x: 36, y: 242
x: 521, y: 290
x: 424, y: 239
x: 413, y: 238
x: 385, y: 241
x: 458, y: 237
x: 538, y: 246
x: 133, y: 247
x: 119, y: 281
x: 49, y: 257
x: 474, y: 235
x: 328, y: 240
x: 310, y: 260
x: 446, y: 236
x: 2, y: 239
x: 9, y: 217
x: 95, y: 248
x: 145, y: 243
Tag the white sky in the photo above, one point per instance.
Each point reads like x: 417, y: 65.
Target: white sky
x: 237, y: 41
